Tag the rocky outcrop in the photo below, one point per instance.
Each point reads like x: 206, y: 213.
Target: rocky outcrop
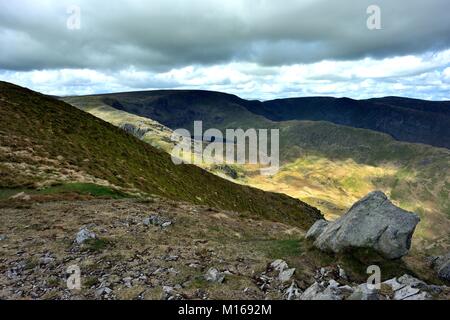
x: 136, y: 130
x: 278, y: 278
x: 372, y: 222
x: 329, y: 287
x: 326, y: 291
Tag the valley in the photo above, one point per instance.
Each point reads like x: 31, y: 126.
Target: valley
x: 327, y: 165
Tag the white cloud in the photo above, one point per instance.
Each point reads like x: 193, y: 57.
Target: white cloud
x: 426, y: 76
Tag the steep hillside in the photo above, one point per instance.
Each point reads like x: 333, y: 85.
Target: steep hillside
x: 46, y: 142
x: 327, y: 165
x: 143, y: 128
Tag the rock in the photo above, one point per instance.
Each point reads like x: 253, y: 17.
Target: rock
x: 166, y: 224
x: 168, y: 292
x: 312, y: 292
x: 83, y: 235
x: 264, y: 282
x: 405, y: 292
x: 320, y: 292
x: 394, y: 284
x: 286, y: 275
x: 46, y: 260
x: 444, y: 272
x: 372, y: 222
x: 362, y: 292
x: 408, y: 280
x: 214, y: 275
x: 333, y: 284
x: 342, y: 273
x: 316, y: 230
x: 292, y: 293
x: 323, y: 272
x: 172, y: 270
x: 279, y: 265
x: 442, y: 266
x: 172, y: 258
x: 2, y: 237
x: 419, y: 296
x: 139, y: 130
x: 21, y: 196
x: 101, y: 291
x: 127, y: 281
x: 407, y: 287
x: 346, y: 290
x: 434, y: 289
x: 330, y: 293
x: 157, y: 221
x: 167, y: 289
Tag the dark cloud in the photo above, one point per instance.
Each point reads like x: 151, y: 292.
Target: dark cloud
x: 159, y: 34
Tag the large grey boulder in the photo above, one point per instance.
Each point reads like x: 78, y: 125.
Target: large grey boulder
x: 372, y: 222
x: 316, y: 230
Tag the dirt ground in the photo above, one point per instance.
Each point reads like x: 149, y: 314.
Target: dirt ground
x: 131, y: 259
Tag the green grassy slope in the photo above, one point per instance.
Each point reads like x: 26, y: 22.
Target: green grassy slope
x: 54, y: 134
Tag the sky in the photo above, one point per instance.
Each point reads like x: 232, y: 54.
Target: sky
x: 257, y: 49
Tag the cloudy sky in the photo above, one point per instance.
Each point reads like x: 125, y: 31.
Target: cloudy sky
x: 259, y: 49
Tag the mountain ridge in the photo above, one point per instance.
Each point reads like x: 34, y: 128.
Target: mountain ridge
x: 405, y: 119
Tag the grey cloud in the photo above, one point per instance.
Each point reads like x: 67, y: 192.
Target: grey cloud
x: 159, y: 35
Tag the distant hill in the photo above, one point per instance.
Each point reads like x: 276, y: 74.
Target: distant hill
x: 178, y: 108
x: 46, y: 142
x: 405, y: 119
